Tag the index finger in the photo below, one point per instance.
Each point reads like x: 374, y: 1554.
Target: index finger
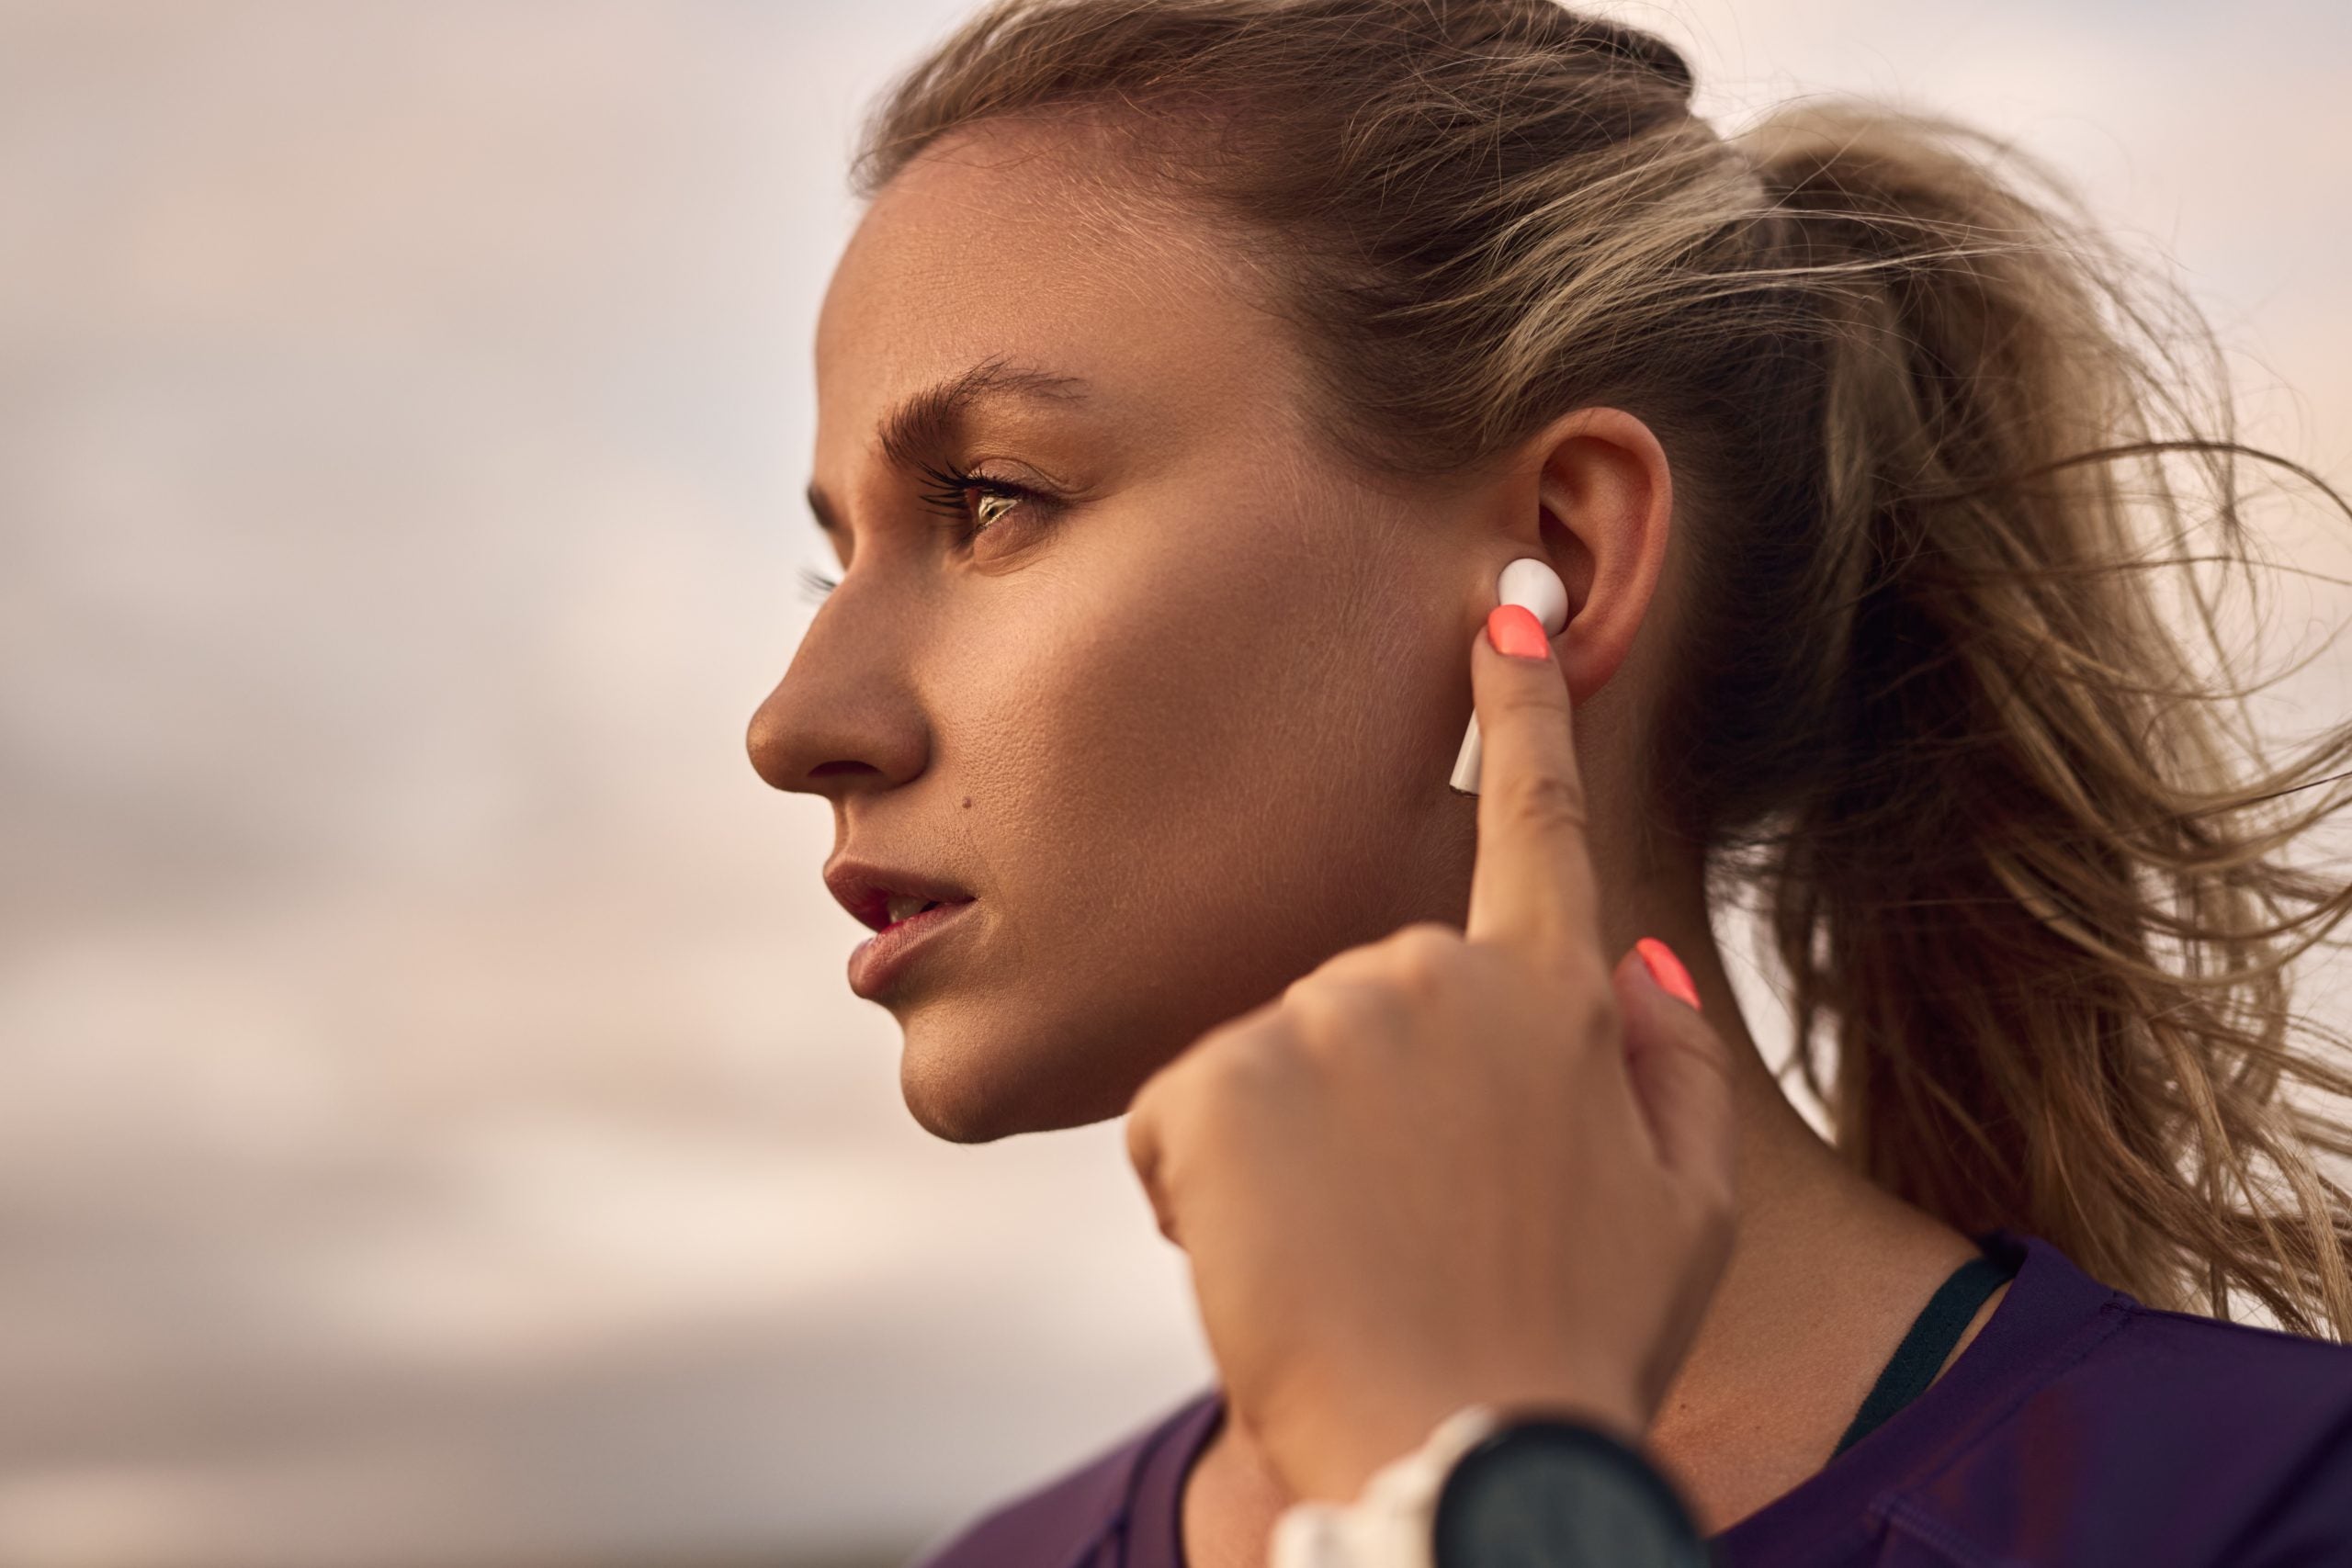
x: 1532, y: 889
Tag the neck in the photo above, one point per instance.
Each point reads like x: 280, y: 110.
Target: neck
x: 1826, y: 1270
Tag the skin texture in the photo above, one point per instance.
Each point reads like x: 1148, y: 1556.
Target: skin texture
x: 1186, y: 736
x: 1330, y: 1163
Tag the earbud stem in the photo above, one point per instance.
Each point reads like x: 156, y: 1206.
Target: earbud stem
x: 1534, y: 587
x: 1466, y: 766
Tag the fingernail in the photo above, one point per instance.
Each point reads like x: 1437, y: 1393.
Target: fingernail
x: 1667, y: 970
x: 1513, y: 629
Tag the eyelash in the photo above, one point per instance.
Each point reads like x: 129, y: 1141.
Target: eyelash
x: 816, y: 584
x: 948, y: 497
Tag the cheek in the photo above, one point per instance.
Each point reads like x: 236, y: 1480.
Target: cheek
x: 1188, y: 796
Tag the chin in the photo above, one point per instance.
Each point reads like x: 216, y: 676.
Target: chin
x: 970, y: 1084
x: 946, y: 1104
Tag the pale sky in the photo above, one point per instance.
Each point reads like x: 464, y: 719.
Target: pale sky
x: 434, y: 1125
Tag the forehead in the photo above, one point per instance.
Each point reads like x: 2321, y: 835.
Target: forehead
x: 1026, y: 242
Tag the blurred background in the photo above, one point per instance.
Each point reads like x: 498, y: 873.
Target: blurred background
x: 434, y: 1125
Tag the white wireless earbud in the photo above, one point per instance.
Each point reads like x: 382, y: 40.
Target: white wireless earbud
x: 1537, y: 589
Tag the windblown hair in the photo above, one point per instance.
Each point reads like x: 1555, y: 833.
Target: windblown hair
x: 1935, y: 440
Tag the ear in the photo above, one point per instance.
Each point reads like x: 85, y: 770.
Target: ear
x: 1594, y: 497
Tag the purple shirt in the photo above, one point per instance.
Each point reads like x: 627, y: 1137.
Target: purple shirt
x: 2078, y: 1428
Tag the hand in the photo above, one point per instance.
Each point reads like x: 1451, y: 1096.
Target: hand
x: 1452, y: 1166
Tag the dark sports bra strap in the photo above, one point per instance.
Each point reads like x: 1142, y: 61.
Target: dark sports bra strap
x: 1921, y: 1355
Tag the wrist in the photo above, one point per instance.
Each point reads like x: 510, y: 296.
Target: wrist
x: 1388, y: 1524
x: 1493, y: 1484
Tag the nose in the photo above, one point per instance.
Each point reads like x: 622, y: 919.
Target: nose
x: 845, y: 717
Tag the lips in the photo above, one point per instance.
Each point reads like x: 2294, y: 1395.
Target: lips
x: 876, y: 964
x: 904, y: 909
x: 881, y: 896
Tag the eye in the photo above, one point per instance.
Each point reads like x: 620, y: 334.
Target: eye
x: 996, y: 497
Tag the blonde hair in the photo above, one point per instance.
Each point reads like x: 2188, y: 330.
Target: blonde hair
x: 1935, y: 438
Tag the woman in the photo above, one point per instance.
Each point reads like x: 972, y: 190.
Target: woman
x: 1194, y: 369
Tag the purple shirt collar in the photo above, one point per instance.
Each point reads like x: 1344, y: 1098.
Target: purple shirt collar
x: 2052, y: 1314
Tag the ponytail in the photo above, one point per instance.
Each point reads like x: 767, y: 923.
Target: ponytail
x: 1933, y: 441
x: 2001, y: 845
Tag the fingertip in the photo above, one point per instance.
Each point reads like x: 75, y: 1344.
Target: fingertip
x: 1681, y: 1072
x: 1663, y: 967
x: 1513, y: 629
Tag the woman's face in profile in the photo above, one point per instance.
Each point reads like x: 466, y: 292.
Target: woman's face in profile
x: 1179, y: 717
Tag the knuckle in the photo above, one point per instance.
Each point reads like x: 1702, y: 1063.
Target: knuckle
x: 1243, y: 1065
x: 1426, y: 955
x: 1590, y: 1019
x: 1307, y: 995
x: 1169, y: 1098
x: 1535, y: 699
x: 1143, y: 1110
x: 1598, y: 1018
x: 1549, y: 802
x: 1146, y: 1144
x: 1330, y: 1012
x: 1147, y: 1115
x: 1344, y: 1027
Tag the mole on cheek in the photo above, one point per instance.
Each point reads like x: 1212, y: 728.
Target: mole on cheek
x: 967, y: 803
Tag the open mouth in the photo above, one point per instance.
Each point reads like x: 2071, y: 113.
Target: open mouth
x: 909, y: 913
x: 927, y: 911
x: 902, y: 906
x: 882, y: 897
x: 905, y: 932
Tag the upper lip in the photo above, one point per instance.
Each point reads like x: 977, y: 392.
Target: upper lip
x: 866, y: 889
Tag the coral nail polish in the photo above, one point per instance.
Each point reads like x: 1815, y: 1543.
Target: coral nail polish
x: 1667, y: 970
x: 1513, y: 629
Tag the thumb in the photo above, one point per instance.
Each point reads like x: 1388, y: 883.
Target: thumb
x: 1679, y: 1066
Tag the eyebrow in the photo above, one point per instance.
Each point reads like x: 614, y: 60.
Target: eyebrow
x: 932, y: 420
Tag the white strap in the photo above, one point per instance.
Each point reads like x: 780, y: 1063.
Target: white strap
x: 1390, y: 1526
